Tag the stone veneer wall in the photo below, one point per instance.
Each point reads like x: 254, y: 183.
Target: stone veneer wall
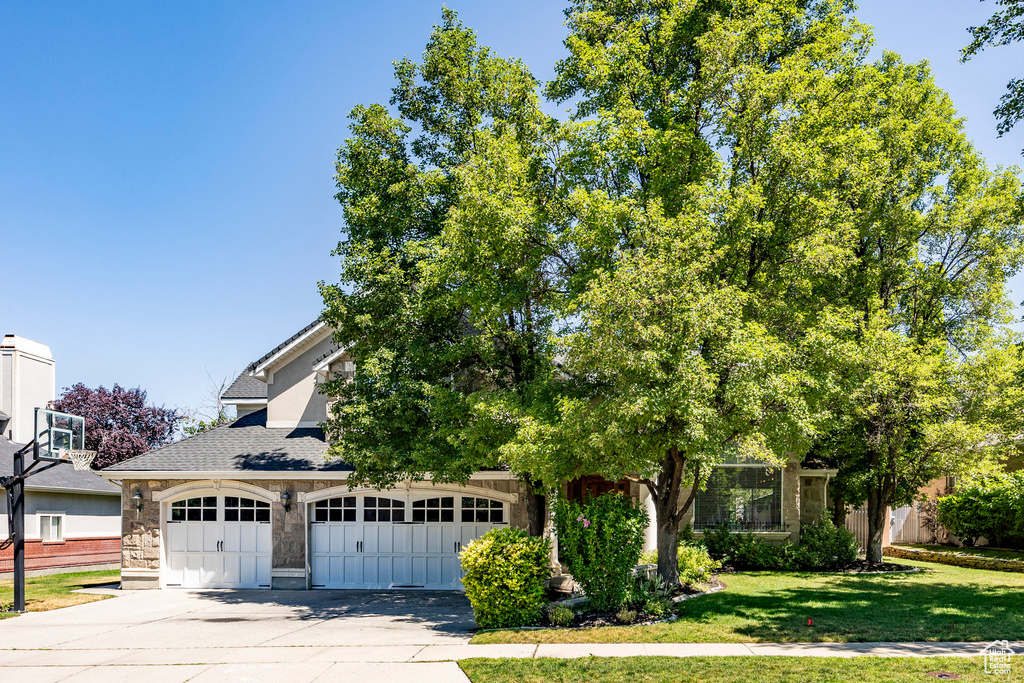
x: 955, y: 559
x: 812, y: 499
x: 140, y: 542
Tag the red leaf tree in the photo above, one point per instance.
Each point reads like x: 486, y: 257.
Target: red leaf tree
x: 118, y: 423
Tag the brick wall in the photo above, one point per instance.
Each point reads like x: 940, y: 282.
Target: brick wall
x: 72, y: 552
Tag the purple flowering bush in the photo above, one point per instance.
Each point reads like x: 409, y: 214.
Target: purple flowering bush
x: 119, y: 422
x: 599, y: 543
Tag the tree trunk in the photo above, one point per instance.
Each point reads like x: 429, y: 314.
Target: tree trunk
x: 668, y: 486
x: 535, y: 508
x: 877, y: 519
x: 668, y: 549
x: 839, y: 511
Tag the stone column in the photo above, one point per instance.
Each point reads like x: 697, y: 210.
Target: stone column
x: 551, y: 500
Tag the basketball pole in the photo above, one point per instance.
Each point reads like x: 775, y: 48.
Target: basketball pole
x: 18, y: 503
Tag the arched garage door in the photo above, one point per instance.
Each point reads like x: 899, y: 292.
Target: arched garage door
x: 217, y: 541
x: 395, y: 540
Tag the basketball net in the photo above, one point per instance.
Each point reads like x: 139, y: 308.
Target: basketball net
x: 80, y: 459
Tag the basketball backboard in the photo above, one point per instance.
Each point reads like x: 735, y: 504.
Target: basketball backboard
x: 58, y: 434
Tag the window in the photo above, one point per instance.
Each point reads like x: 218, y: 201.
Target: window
x: 434, y: 510
x: 377, y: 509
x: 335, y: 510
x: 746, y: 497
x: 482, y: 510
x: 51, y: 528
x: 238, y: 509
x: 195, y: 510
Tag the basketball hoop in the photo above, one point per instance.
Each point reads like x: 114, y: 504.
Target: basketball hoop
x: 81, y: 459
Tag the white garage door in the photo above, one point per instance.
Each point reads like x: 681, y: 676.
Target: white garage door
x: 397, y: 540
x: 218, y: 541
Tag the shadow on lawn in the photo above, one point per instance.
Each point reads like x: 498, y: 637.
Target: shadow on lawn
x: 869, y: 608
x: 442, y: 611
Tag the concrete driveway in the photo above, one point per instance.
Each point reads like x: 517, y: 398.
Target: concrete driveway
x: 238, y: 635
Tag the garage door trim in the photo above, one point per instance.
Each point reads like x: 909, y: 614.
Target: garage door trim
x: 308, y: 500
x: 200, y: 489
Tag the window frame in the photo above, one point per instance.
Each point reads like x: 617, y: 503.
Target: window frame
x: 61, y: 524
x: 777, y: 470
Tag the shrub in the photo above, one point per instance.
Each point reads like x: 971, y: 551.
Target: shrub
x: 561, y: 615
x: 645, y: 590
x: 990, y: 508
x: 600, y: 543
x: 658, y: 607
x: 504, y: 573
x: 824, y: 545
x: 756, y: 553
x: 695, y: 564
x: 626, y: 616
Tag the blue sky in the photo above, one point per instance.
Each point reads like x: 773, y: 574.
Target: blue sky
x: 166, y: 190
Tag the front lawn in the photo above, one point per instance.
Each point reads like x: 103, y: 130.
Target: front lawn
x: 942, y: 603
x: 997, y: 553
x: 729, y: 669
x: 44, y: 593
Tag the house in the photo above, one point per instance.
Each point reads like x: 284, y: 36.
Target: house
x: 72, y: 519
x: 256, y: 504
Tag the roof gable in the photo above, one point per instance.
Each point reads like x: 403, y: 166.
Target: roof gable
x: 304, y: 338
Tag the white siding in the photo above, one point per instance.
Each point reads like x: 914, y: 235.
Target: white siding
x: 85, y: 516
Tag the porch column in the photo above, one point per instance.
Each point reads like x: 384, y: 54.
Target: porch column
x: 551, y: 500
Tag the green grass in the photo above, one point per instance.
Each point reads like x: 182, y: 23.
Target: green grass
x: 44, y: 593
x: 942, y: 603
x: 998, y: 553
x: 729, y: 669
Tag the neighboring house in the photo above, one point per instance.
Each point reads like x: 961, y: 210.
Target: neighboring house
x: 255, y: 503
x: 72, y: 519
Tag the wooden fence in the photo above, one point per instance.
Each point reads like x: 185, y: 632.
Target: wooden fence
x: 905, y: 525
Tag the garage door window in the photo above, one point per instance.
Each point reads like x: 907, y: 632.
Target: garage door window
x: 377, y: 509
x: 335, y: 510
x: 195, y: 510
x: 434, y: 510
x: 482, y: 510
x: 238, y: 509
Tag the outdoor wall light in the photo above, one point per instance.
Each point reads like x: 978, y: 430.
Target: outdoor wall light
x: 137, y: 499
x: 286, y: 500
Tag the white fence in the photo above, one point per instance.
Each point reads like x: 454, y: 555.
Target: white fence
x: 905, y: 525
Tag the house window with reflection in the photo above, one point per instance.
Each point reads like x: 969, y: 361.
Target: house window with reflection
x: 745, y: 495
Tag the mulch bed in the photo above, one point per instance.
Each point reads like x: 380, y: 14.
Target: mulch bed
x: 865, y: 567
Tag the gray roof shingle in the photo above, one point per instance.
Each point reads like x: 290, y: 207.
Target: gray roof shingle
x: 283, y: 344
x: 59, y: 477
x: 245, y: 445
x: 246, y: 386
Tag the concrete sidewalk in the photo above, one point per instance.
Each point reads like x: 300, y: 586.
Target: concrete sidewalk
x: 299, y: 637
x: 301, y: 664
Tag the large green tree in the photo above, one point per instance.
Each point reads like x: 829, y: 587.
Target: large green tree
x: 444, y: 299
x: 700, y: 158
x: 937, y: 234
